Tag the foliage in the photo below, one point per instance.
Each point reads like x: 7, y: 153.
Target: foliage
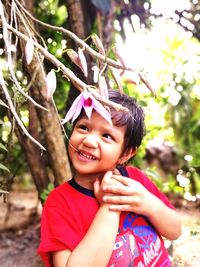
x: 181, y: 79
x: 173, y: 116
x: 169, y: 186
x: 46, y: 192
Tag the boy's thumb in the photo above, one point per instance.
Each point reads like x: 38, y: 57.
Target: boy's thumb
x: 96, y: 185
x: 107, y: 176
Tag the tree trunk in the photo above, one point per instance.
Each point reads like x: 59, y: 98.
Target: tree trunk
x: 80, y: 23
x: 45, y: 128
x: 49, y: 121
x: 107, y: 27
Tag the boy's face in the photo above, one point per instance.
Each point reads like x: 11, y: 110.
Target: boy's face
x: 95, y: 145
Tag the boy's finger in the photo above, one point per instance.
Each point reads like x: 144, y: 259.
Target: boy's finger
x: 121, y: 179
x: 117, y: 189
x: 120, y: 207
x: 119, y: 199
x: 107, y: 176
x: 116, y: 172
x: 96, y: 185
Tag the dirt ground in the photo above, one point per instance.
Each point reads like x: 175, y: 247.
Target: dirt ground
x: 20, y: 224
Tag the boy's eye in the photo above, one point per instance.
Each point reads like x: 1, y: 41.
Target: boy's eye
x: 108, y: 136
x: 82, y: 127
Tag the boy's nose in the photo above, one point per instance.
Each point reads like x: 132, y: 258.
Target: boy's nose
x: 91, y: 141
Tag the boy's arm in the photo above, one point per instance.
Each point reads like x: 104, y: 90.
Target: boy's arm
x: 165, y: 220
x: 132, y: 196
x: 96, y: 247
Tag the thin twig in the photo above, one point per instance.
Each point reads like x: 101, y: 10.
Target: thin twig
x: 9, y: 59
x: 29, y: 28
x: 12, y: 109
x: 80, y: 85
x: 109, y: 103
x: 67, y: 72
x: 79, y: 41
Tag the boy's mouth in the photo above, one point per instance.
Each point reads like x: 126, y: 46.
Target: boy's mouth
x: 87, y: 156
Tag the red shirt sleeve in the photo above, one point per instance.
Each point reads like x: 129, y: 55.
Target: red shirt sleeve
x: 58, y: 230
x: 139, y: 176
x: 63, y: 222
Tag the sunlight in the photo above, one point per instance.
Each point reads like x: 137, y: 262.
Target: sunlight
x: 167, y: 8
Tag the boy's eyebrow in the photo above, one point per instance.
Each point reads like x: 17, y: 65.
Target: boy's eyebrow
x: 110, y: 128
x: 83, y: 120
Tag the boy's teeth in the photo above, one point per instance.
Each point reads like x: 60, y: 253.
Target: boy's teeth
x: 87, y: 156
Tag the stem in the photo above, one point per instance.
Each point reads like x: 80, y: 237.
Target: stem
x: 12, y: 109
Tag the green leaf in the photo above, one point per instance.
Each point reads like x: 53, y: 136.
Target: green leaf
x: 43, y: 196
x: 3, y: 104
x: 3, y: 147
x: 4, y: 167
x: 50, y: 187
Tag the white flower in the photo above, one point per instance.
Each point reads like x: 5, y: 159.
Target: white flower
x: 29, y: 51
x: 50, y: 84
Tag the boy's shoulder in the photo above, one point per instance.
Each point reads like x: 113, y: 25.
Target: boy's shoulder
x: 140, y: 176
x: 58, y: 193
x: 136, y: 174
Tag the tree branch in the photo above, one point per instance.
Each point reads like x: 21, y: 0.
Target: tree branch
x: 66, y: 71
x: 12, y: 109
x: 9, y: 59
x: 77, y: 40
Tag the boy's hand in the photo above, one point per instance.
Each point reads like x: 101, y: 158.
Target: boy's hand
x: 106, y: 181
x: 129, y: 195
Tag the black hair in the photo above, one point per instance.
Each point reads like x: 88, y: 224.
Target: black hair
x: 133, y: 119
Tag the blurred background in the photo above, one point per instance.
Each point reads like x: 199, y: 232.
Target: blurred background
x: 158, y: 38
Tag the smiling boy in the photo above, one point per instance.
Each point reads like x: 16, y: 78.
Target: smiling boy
x: 107, y: 215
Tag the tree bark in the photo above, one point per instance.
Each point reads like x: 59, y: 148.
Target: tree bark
x: 81, y: 17
x: 44, y: 127
x: 49, y: 122
x: 79, y: 22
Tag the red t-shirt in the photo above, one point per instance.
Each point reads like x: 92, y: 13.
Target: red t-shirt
x: 70, y: 210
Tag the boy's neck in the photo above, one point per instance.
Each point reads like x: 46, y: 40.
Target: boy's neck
x: 87, y: 181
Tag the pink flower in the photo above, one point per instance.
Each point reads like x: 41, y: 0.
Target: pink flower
x: 78, y: 59
x: 103, y: 88
x: 29, y: 51
x: 96, y: 71
x: 86, y: 101
x: 50, y: 84
x: 96, y: 40
x: 73, y: 55
x: 117, y: 78
x: 82, y: 62
x: 119, y: 56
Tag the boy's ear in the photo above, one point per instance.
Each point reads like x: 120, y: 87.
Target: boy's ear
x: 129, y: 154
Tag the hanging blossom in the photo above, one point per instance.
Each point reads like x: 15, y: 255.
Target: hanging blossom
x: 82, y: 62
x: 103, y: 88
x: 78, y: 59
x: 29, y: 51
x: 50, y: 84
x: 86, y: 101
x: 97, y: 41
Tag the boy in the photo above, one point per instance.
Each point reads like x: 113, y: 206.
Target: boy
x: 106, y: 215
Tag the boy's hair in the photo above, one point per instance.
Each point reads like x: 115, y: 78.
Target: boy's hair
x: 132, y: 119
